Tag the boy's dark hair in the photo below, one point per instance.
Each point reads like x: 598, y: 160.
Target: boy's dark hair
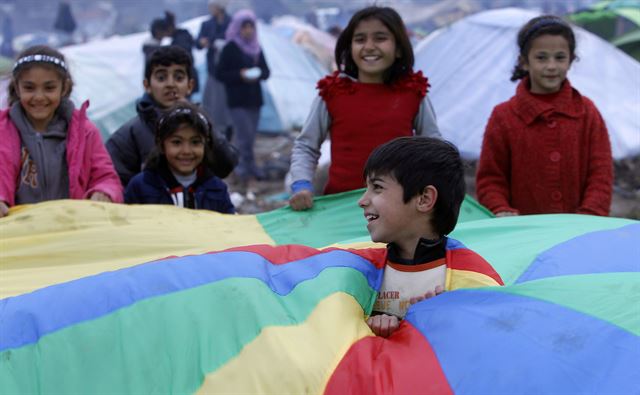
x: 63, y: 72
x: 536, y: 27
x: 392, y: 20
x: 416, y: 162
x: 166, y: 56
x: 180, y: 114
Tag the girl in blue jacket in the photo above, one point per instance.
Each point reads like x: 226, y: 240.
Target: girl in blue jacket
x: 176, y: 171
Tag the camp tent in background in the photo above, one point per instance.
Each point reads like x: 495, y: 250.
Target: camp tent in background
x: 158, y: 299
x: 617, y: 21
x: 109, y: 74
x: 469, y: 65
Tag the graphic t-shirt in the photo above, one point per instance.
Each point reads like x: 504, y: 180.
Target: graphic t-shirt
x: 403, y: 282
x: 410, y: 278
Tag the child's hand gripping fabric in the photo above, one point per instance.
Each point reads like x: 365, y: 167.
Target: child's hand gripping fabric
x: 384, y: 325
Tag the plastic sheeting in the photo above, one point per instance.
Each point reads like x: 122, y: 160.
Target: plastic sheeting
x: 109, y: 74
x: 469, y: 65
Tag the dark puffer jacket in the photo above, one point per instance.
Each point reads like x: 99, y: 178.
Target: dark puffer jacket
x: 157, y: 186
x: 131, y: 144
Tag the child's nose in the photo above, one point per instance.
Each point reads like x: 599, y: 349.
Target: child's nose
x: 363, y: 201
x: 368, y: 43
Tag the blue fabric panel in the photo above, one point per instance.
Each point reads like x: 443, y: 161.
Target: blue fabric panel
x: 26, y: 318
x: 499, y: 343
x: 604, y: 251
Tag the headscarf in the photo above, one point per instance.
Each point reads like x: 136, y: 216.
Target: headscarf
x: 251, y: 47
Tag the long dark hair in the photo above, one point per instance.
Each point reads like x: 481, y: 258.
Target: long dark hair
x: 182, y: 113
x: 536, y: 27
x: 28, y: 59
x: 392, y: 20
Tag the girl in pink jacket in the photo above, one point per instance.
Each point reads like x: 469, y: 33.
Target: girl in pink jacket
x: 49, y: 149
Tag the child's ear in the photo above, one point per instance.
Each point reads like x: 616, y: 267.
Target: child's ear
x: 398, y: 53
x: 147, y: 86
x: 427, y: 199
x: 192, y: 84
x: 66, y: 87
x: 522, y: 62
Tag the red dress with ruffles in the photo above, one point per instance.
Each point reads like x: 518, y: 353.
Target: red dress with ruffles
x: 364, y: 116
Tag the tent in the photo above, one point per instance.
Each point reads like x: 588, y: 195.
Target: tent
x: 617, y: 21
x: 469, y: 65
x: 109, y: 74
x: 603, y: 18
x: 106, y: 298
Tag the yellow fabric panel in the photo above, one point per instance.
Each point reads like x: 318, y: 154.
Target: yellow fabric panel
x: 466, y: 279
x: 42, y: 245
x: 360, y: 245
x: 294, y: 359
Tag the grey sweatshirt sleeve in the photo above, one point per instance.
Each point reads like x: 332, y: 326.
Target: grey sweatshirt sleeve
x: 306, y: 148
x: 425, y: 122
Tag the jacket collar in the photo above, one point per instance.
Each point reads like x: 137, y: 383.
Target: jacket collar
x: 426, y: 251
x: 528, y: 107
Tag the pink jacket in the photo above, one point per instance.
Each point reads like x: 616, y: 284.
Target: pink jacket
x: 90, y: 166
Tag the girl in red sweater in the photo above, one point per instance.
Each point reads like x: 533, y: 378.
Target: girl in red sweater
x: 375, y: 98
x: 545, y: 150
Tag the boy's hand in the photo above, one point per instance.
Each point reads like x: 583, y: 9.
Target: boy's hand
x: 100, y: 197
x: 439, y: 289
x: 302, y: 200
x: 4, y: 209
x: 383, y: 325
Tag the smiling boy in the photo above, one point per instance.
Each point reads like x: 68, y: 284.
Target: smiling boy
x: 415, y: 187
x: 167, y: 81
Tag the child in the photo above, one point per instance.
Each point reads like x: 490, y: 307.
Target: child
x: 241, y: 67
x: 177, y: 171
x: 415, y: 187
x: 49, y: 149
x: 375, y: 98
x: 546, y: 150
x: 167, y: 80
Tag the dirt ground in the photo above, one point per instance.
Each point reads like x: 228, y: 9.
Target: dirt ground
x: 273, y: 152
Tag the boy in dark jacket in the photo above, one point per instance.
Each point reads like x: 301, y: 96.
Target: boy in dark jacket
x: 177, y: 170
x: 168, y: 79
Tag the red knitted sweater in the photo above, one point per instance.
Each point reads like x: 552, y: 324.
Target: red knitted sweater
x: 546, y: 157
x: 363, y: 116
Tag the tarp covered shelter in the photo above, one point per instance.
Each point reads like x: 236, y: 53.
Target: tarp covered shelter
x: 469, y: 65
x: 109, y: 73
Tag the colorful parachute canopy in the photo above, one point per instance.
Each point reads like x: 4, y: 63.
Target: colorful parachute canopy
x: 102, y: 298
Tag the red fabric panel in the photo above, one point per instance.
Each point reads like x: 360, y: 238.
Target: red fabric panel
x: 464, y: 259
x: 404, y: 363
x: 292, y: 252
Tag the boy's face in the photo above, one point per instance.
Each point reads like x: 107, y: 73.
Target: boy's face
x: 389, y: 218
x: 169, y: 84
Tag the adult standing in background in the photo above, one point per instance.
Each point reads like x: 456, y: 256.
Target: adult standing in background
x: 183, y: 39
x: 241, y: 68
x: 212, y: 37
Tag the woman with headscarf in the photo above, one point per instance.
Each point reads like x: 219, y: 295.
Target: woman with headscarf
x: 241, y: 67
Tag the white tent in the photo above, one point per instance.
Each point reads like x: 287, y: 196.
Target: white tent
x: 109, y: 73
x: 469, y: 65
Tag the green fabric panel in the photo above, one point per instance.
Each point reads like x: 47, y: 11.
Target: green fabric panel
x: 167, y: 344
x: 336, y: 218
x: 511, y: 244
x: 613, y: 297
